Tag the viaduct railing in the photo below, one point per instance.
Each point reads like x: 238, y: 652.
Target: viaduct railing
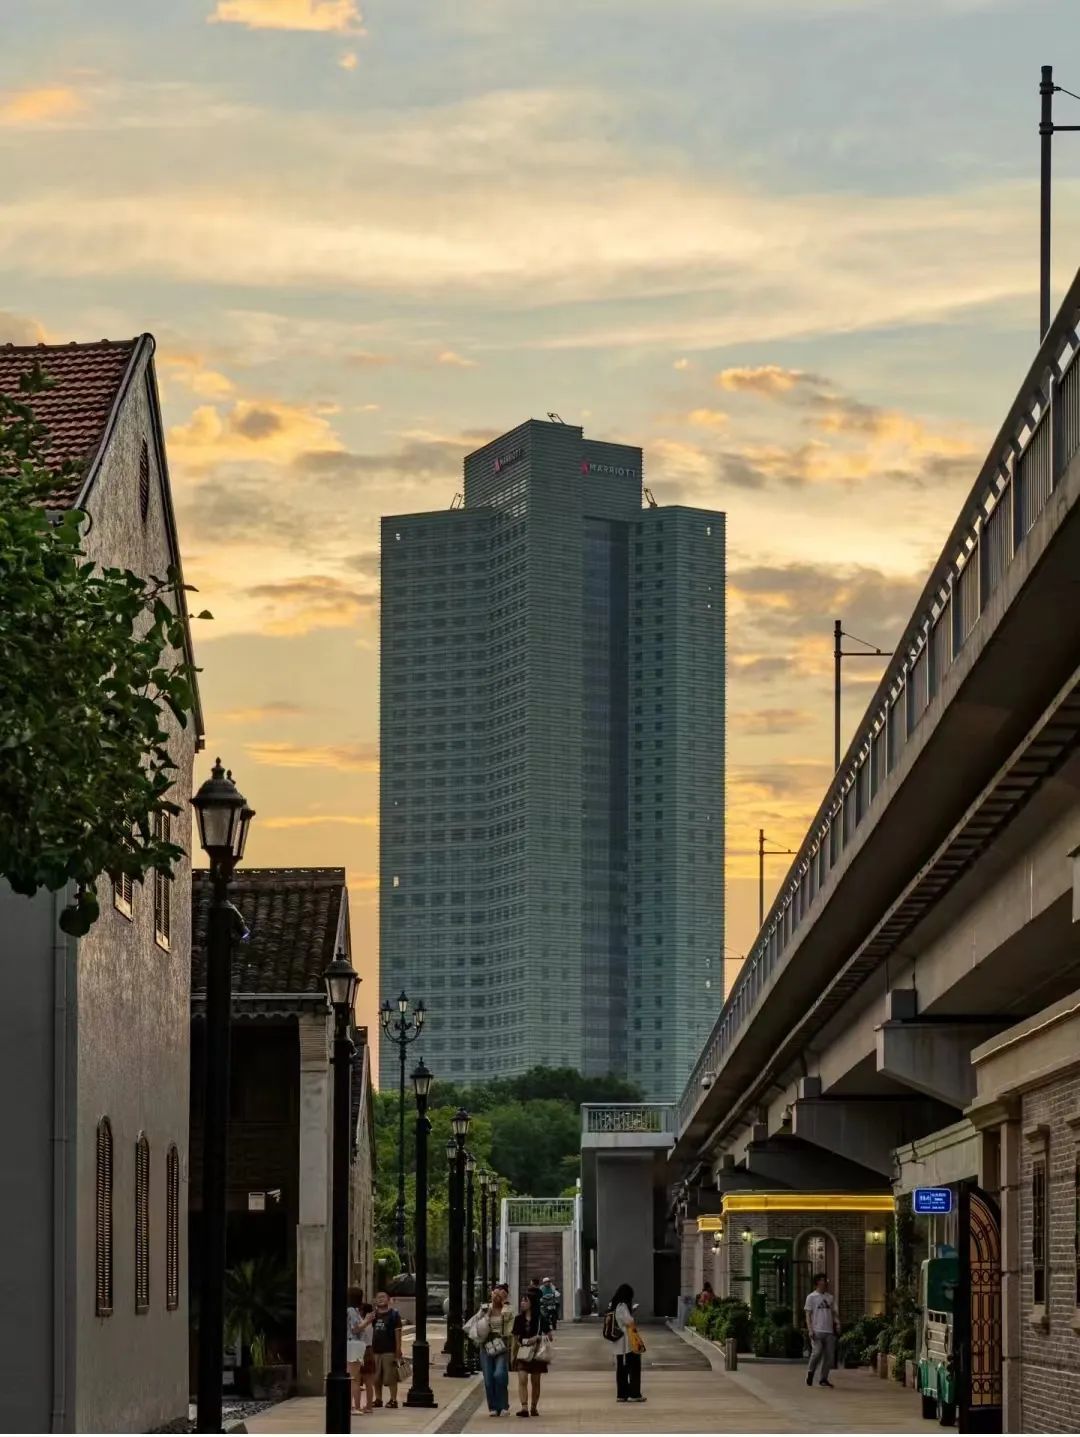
x: 628, y: 1117
x: 1038, y: 438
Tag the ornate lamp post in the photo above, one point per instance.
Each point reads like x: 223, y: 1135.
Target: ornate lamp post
x: 493, y: 1195
x: 455, y: 1334
x: 473, y: 1362
x: 341, y: 984
x: 420, y: 1393
x: 402, y: 1028
x: 224, y: 819
x: 451, y: 1223
x: 485, y: 1283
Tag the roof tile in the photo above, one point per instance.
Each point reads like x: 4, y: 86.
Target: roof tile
x: 86, y: 381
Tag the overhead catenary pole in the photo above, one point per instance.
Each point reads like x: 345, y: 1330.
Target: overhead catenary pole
x: 762, y: 854
x: 1046, y: 134
x: 868, y: 651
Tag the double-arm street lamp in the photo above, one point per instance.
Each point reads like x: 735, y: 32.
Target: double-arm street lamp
x: 455, y: 1332
x: 493, y: 1202
x: 341, y: 984
x: 224, y: 819
x: 470, y: 1252
x: 402, y: 1028
x: 420, y: 1393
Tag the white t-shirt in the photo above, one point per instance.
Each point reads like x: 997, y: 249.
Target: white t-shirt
x: 624, y: 1317
x: 821, y: 1307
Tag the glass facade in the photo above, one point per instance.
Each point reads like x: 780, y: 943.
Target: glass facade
x: 552, y: 767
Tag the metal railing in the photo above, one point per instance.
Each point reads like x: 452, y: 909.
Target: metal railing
x: 540, y: 1212
x: 1038, y: 438
x: 628, y: 1117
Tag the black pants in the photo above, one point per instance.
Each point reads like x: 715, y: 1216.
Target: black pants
x: 628, y: 1375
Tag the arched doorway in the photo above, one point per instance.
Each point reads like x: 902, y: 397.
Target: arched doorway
x: 815, y: 1251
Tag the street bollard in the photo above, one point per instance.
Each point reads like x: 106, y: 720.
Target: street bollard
x: 731, y: 1354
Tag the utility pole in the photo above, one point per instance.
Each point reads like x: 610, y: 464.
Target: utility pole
x: 868, y: 651
x: 762, y: 854
x: 1047, y: 130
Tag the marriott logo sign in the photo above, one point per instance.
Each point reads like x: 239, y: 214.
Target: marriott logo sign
x: 505, y: 460
x: 618, y: 471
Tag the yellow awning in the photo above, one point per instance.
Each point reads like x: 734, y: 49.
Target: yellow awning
x: 807, y: 1202
x: 712, y: 1223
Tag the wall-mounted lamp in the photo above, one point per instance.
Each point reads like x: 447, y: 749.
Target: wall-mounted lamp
x: 747, y: 1235
x: 875, y: 1236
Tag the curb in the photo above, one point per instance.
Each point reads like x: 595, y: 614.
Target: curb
x: 709, y: 1350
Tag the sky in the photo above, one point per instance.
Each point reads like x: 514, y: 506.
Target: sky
x: 789, y: 247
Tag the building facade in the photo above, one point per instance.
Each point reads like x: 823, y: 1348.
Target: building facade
x: 552, y: 766
x: 280, y: 1173
x: 94, y: 1327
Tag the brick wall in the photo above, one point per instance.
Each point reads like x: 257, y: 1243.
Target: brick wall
x: 1050, y: 1354
x: 849, y: 1230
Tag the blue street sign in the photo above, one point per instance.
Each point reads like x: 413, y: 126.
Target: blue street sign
x: 933, y: 1200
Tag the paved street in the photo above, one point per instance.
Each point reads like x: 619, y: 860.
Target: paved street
x: 685, y: 1395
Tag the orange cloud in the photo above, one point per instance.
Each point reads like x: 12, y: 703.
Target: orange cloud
x: 313, y: 601
x: 708, y: 418
x: 352, y: 758
x: 31, y: 107
x: 276, y: 709
x: 190, y: 371
x: 349, y: 60
x: 336, y: 16
x: 458, y: 361
x: 766, y: 380
x: 252, y: 429
x: 316, y: 820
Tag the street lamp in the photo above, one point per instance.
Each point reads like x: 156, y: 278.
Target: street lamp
x: 470, y: 1251
x: 493, y: 1193
x: 420, y: 1393
x: 451, y: 1222
x: 455, y: 1332
x: 341, y: 981
x: 486, y: 1283
x: 224, y: 819
x: 401, y: 1028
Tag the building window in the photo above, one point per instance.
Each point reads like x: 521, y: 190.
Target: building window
x: 144, y: 482
x: 1038, y: 1232
x: 103, y: 1225
x: 172, y: 1229
x: 163, y: 888
x: 142, y: 1224
x: 123, y: 885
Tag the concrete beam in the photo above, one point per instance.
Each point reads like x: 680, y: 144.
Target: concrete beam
x: 932, y: 1058
x: 865, y: 1130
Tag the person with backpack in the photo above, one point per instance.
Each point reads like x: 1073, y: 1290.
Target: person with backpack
x: 621, y: 1330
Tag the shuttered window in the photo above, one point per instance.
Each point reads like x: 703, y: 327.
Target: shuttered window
x: 123, y: 887
x: 142, y: 1224
x: 172, y: 1229
x: 163, y: 888
x: 103, y: 1221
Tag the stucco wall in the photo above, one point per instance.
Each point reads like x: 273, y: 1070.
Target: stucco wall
x: 624, y: 1227
x: 133, y: 1037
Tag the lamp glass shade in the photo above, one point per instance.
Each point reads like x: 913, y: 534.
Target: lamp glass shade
x: 451, y: 1150
x: 470, y: 1163
x: 420, y: 1015
x: 403, y: 1002
x: 342, y: 981
x: 460, y: 1123
x: 422, y: 1078
x: 223, y: 816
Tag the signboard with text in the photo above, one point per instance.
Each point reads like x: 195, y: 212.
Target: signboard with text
x: 933, y: 1200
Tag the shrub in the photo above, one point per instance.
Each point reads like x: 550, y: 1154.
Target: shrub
x: 780, y: 1317
x: 776, y: 1339
x: 858, y: 1344
x: 906, y: 1354
x: 731, y: 1319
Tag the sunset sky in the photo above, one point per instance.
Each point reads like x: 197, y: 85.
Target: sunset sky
x: 787, y: 246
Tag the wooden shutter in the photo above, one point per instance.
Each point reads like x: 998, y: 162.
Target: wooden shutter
x: 172, y: 1229
x: 163, y: 889
x: 103, y: 1221
x: 142, y: 1224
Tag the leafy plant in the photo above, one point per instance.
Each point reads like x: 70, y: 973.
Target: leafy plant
x: 93, y: 659
x: 258, y: 1350
x: 858, y: 1344
x: 772, y: 1339
x: 260, y: 1297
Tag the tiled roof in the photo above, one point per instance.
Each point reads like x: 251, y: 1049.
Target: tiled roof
x: 292, y: 916
x: 75, y: 411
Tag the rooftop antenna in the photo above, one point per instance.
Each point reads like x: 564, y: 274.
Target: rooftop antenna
x: 555, y: 418
x: 650, y: 500
x: 458, y: 501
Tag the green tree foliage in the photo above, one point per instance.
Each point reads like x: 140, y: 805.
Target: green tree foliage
x: 92, y: 659
x: 526, y: 1129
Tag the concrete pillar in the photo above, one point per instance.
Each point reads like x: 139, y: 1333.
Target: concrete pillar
x: 624, y: 1226
x: 932, y: 1058
x: 1011, y: 1261
x: 313, y: 1226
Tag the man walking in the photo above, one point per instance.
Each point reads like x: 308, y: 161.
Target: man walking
x: 386, y: 1348
x: 822, y: 1323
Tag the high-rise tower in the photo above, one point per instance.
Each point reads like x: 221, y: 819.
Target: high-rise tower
x: 552, y: 766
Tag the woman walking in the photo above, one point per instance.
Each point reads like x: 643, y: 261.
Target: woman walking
x: 628, y: 1345
x: 532, y: 1354
x: 491, y: 1329
x: 358, y: 1337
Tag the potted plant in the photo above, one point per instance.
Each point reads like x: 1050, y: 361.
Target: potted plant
x: 259, y: 1299
x: 267, y: 1381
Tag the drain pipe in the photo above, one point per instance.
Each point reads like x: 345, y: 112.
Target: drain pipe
x: 62, y: 947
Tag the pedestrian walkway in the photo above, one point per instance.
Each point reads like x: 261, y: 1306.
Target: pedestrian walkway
x: 684, y: 1394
